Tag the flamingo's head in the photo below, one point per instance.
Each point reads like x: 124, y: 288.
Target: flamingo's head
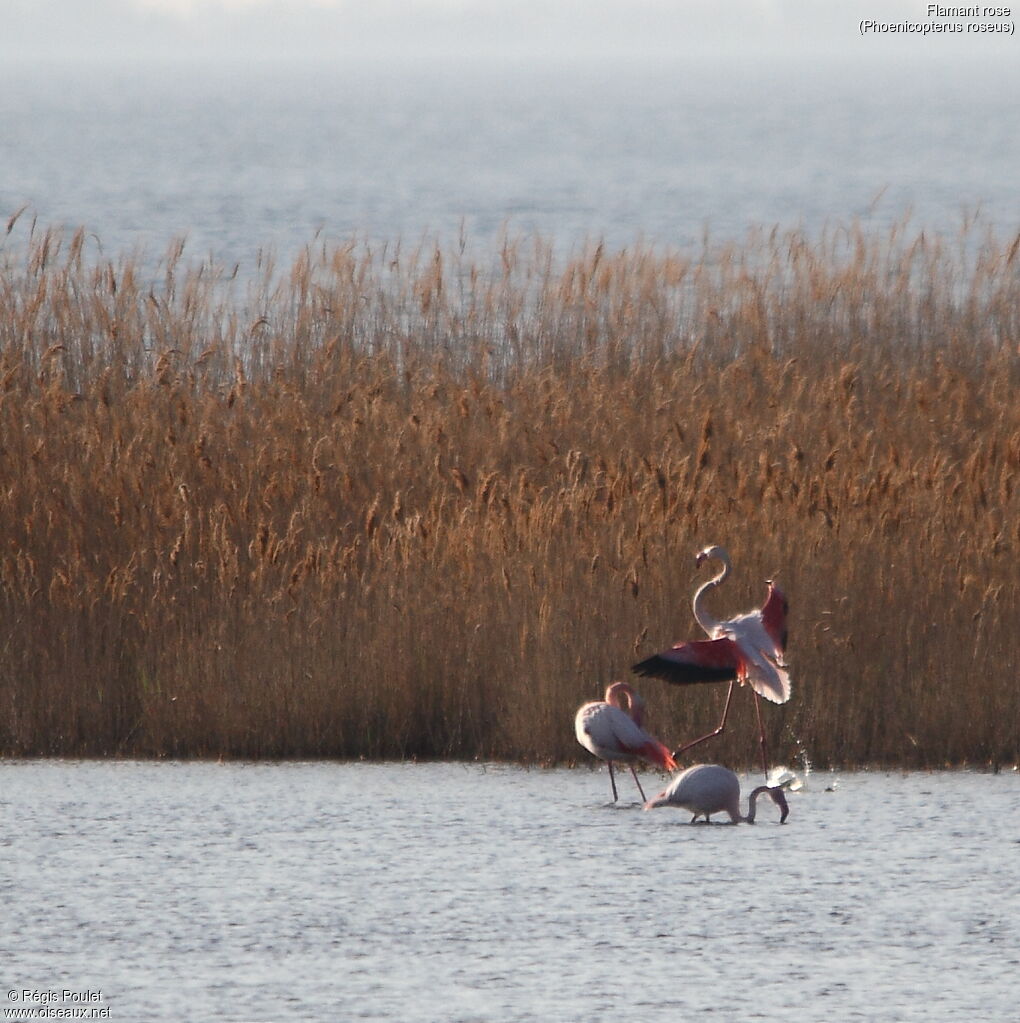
x: 779, y: 798
x: 624, y: 696
x: 712, y: 551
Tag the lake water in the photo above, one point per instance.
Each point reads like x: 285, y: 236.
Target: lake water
x: 451, y: 892
x: 237, y: 159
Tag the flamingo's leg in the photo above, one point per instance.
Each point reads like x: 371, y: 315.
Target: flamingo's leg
x: 761, y: 735
x: 612, y: 780
x: 636, y: 782
x: 713, y: 734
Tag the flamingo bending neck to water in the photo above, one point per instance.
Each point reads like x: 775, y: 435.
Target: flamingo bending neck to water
x: 748, y: 649
x: 705, y: 789
x: 611, y: 729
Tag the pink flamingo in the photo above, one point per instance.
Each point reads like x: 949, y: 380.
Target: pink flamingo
x: 709, y: 788
x: 611, y: 729
x: 749, y: 648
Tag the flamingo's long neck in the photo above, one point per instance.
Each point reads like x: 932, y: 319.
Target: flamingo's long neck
x: 752, y: 803
x: 619, y: 694
x: 701, y: 616
x: 777, y: 797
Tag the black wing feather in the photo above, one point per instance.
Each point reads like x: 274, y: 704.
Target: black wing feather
x: 682, y: 674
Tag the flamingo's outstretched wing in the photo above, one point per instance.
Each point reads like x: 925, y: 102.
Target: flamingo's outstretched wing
x: 703, y: 660
x: 746, y: 653
x: 765, y: 675
x: 773, y: 618
x: 760, y: 656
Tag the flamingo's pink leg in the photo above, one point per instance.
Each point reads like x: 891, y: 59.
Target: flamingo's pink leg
x: 636, y: 782
x: 761, y: 735
x: 718, y: 730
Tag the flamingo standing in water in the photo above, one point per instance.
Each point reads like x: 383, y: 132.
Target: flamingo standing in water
x: 709, y: 788
x: 749, y: 648
x: 611, y: 729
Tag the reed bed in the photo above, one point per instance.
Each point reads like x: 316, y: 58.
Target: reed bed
x: 399, y: 503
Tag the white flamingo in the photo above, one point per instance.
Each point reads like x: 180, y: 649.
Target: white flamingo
x: 611, y: 729
x: 705, y: 789
x: 749, y: 648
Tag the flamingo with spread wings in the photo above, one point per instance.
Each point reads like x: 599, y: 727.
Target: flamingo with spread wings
x: 748, y: 649
x: 611, y: 729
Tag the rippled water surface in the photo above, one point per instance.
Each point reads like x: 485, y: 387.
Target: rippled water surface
x: 327, y: 891
x: 240, y: 159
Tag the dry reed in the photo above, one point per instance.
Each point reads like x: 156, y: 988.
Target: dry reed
x: 400, y: 503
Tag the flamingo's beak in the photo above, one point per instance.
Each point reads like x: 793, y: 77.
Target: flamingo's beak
x: 779, y: 798
x: 700, y: 557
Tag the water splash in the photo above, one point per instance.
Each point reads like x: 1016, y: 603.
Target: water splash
x: 786, y: 778
x: 790, y: 778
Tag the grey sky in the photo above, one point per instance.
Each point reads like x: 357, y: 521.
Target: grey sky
x: 41, y: 30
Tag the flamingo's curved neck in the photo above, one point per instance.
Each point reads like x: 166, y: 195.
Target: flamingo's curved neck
x: 701, y: 616
x: 752, y: 803
x: 619, y: 694
x: 777, y: 797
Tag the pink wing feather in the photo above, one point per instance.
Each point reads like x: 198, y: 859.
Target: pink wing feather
x: 702, y: 660
x: 773, y: 617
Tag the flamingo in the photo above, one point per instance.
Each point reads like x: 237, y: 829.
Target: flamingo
x: 611, y: 729
x: 705, y: 789
x: 749, y: 649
